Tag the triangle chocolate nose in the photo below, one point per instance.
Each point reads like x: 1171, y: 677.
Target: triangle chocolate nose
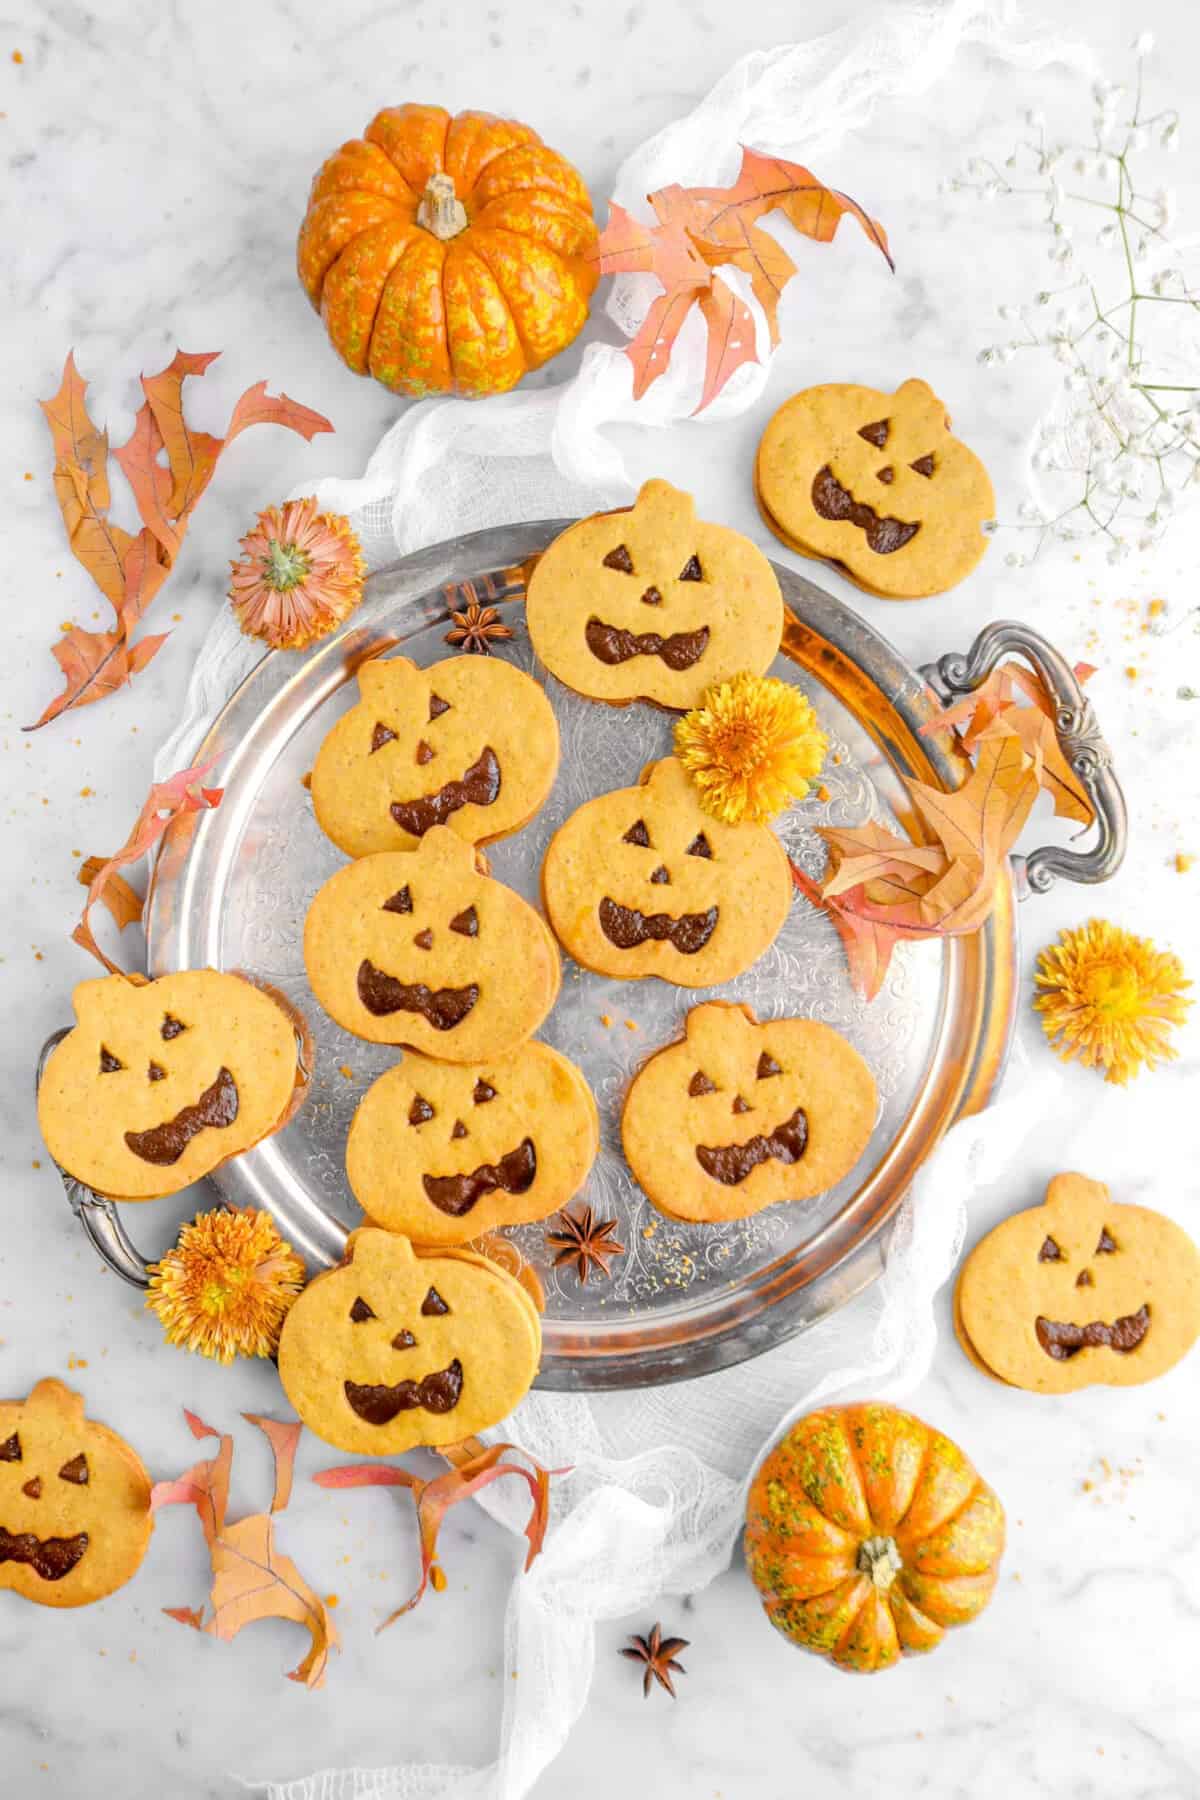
x: 741, y: 1106
x: 460, y: 1130
x: 1084, y: 1279
x: 651, y: 597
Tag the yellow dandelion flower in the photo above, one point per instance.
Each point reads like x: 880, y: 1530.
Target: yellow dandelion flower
x: 752, y: 746
x: 1110, y: 999
x: 226, y: 1287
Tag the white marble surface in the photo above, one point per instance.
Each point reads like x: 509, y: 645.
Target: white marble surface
x: 157, y: 159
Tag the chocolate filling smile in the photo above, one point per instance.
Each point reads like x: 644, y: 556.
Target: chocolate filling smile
x: 457, y: 1194
x: 731, y: 1163
x: 1065, y: 1341
x: 164, y: 1144
x: 51, y: 1558
x: 625, y: 927
x: 833, y: 501
x: 443, y: 1008
x: 480, y: 786
x: 438, y: 1393
x: 613, y: 644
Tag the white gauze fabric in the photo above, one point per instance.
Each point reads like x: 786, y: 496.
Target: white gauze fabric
x: 655, y: 1500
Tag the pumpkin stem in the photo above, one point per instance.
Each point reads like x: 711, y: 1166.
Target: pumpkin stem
x: 441, y: 211
x: 879, y: 1558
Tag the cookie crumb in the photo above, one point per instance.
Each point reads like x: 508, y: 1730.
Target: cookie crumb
x: 1183, y: 862
x: 631, y: 1025
x: 437, y: 1578
x: 605, y: 1020
x: 306, y: 780
x: 346, y: 1071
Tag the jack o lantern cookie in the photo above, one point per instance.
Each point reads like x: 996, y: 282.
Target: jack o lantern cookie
x: 161, y: 1081
x: 75, y: 1514
x: 876, y: 483
x: 419, y: 947
x: 471, y: 743
x: 446, y: 1151
x: 1079, y: 1292
x: 738, y: 1115
x: 642, y: 881
x: 651, y: 603
x: 396, y: 1347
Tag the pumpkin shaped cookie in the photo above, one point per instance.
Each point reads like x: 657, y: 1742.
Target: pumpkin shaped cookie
x: 738, y: 1115
x: 75, y: 1514
x: 471, y: 743
x: 642, y: 881
x: 393, y: 1348
x: 869, y: 1534
x: 652, y: 603
x: 876, y: 483
x: 419, y: 947
x: 1078, y: 1292
x: 161, y: 1081
x: 446, y: 1151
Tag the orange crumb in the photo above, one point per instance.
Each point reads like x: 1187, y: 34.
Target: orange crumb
x: 631, y: 1024
x: 1156, y: 608
x: 822, y: 792
x: 84, y: 793
x: 66, y: 624
x: 345, y: 1070
x: 19, y: 58
x: 836, y: 757
x: 1131, y: 672
x: 37, y: 1163
x: 77, y: 1362
x: 38, y: 957
x: 649, y: 1230
x: 175, y: 618
x: 133, y: 1656
x: 1183, y: 862
x: 306, y: 780
x: 437, y: 1578
x: 331, y: 1599
x: 605, y: 1020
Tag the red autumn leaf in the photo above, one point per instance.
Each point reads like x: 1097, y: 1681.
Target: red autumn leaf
x: 699, y: 230
x: 167, y: 800
x: 252, y: 1579
x: 129, y: 570
x: 435, y: 1498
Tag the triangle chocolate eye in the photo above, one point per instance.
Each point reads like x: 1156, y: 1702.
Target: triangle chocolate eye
x: 924, y: 466
x: 876, y: 433
x: 382, y: 734
x: 484, y: 1092
x: 400, y: 902
x: 700, y: 1084
x: 109, y: 1064
x: 1107, y: 1244
x: 637, y: 834
x: 76, y: 1470
x: 767, y: 1066
x: 619, y: 559
x: 10, y: 1449
x: 437, y: 706
x: 419, y: 1111
x: 433, y: 1305
x: 1050, y: 1252
x: 691, y: 570
x: 171, y: 1027
x: 360, y: 1311
x: 700, y: 846
x: 466, y: 923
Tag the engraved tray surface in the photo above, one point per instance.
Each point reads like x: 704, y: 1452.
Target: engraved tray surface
x: 232, y: 887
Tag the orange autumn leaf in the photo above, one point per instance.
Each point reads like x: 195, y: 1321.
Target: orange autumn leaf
x: 435, y: 1498
x: 178, y: 794
x: 993, y: 707
x: 252, y: 1579
x: 700, y: 230
x: 122, y: 902
x: 130, y: 570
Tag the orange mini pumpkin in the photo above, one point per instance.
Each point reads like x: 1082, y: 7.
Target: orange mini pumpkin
x: 868, y: 1533
x: 448, y: 254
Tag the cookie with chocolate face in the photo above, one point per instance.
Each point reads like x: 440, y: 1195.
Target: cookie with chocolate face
x: 75, y: 1514
x: 421, y: 948
x: 396, y: 1347
x: 471, y: 743
x: 642, y: 881
x: 1080, y: 1291
x: 161, y: 1081
x: 876, y: 483
x: 651, y: 603
x: 447, y: 1151
x: 738, y: 1115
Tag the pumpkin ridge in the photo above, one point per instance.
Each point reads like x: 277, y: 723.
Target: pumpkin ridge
x: 479, y: 248
x: 918, y: 1484
x: 942, y: 1524
x: 409, y: 247
x: 499, y: 156
x: 369, y: 331
x: 868, y: 1597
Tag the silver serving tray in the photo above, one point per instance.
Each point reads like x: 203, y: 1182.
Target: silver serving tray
x: 231, y: 888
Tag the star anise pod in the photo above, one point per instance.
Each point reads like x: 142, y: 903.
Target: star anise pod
x: 658, y: 1654
x: 476, y: 628
x: 586, y: 1241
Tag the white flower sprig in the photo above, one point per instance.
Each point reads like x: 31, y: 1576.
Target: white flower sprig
x: 1119, y: 450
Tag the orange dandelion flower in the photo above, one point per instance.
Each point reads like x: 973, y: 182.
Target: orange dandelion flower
x: 751, y: 747
x: 1110, y: 998
x: 300, y: 575
x: 226, y: 1287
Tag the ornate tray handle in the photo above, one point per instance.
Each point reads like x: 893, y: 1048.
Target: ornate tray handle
x: 1079, y: 738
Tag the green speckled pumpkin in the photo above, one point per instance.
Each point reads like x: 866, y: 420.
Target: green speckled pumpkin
x: 868, y: 1533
